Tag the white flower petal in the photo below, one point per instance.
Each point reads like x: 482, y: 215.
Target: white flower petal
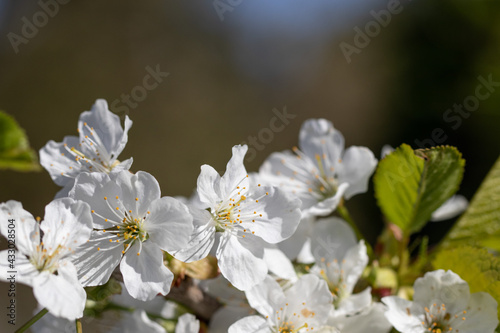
x: 277, y: 214
x: 443, y: 299
x: 331, y: 239
x: 354, y: 264
x: 138, y: 190
x: 481, y: 314
x: 208, y: 185
x: 123, y: 166
x: 452, y: 207
x: 145, y: 275
x: 97, y: 259
x: 279, y: 264
x: 251, y: 324
x: 200, y: 243
x: 169, y: 224
x: 100, y: 192
x: 187, y: 324
x: 67, y: 222
x: 238, y: 261
x: 386, y: 150
x: 442, y: 287
x: 305, y: 255
x: 26, y: 272
x: 293, y: 245
x: 107, y: 126
x: 290, y: 174
x: 266, y: 297
x: 236, y: 174
x: 25, y: 232
x: 328, y: 205
x: 314, y: 292
x: 372, y: 320
x: 61, y: 294
x: 318, y: 136
x: 358, y: 164
x: 60, y: 163
x: 398, y: 315
x: 354, y: 304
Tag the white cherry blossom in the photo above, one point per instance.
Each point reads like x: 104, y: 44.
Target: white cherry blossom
x: 320, y: 172
x: 442, y: 303
x: 101, y: 140
x: 132, y: 225
x: 43, y: 259
x: 303, y: 307
x: 240, y: 220
x: 340, y: 261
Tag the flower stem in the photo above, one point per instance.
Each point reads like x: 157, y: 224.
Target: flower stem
x: 403, y: 257
x: 344, y: 213
x: 32, y: 320
x: 78, y: 324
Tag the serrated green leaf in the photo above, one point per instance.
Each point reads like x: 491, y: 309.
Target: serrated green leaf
x: 15, y: 152
x: 480, y: 224
x: 410, y: 185
x: 478, y: 267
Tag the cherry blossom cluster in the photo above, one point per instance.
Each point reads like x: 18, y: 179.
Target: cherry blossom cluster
x: 286, y: 263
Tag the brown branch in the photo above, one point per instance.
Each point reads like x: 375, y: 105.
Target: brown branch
x: 191, y: 296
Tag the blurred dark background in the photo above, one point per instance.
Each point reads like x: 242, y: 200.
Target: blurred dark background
x: 230, y: 63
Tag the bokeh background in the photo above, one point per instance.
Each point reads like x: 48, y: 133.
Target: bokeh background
x: 230, y: 63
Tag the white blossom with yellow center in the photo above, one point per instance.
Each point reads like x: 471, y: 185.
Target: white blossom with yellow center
x: 100, y: 142
x: 44, y: 253
x: 443, y: 303
x: 340, y: 261
x: 303, y: 307
x: 243, y: 219
x: 319, y: 172
x: 132, y: 225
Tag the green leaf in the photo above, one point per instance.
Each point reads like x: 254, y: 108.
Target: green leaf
x: 478, y: 267
x: 15, y: 152
x: 480, y: 224
x: 410, y: 185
